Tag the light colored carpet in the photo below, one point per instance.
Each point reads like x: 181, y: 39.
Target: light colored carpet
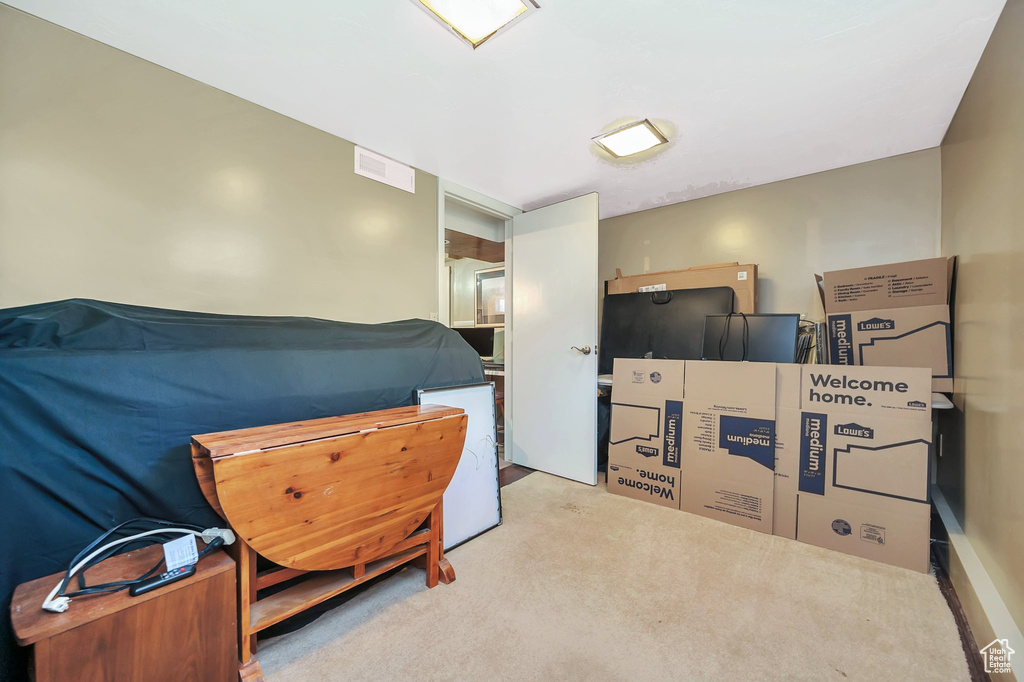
x: 579, y: 584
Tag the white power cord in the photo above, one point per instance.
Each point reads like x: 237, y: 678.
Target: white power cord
x: 60, y: 604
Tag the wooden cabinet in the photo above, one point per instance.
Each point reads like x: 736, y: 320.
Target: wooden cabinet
x: 182, y: 631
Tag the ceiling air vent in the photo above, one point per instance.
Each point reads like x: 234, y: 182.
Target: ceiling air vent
x: 381, y: 168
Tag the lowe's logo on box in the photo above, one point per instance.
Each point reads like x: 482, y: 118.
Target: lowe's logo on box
x: 916, y: 403
x: 673, y: 433
x: 876, y: 324
x: 813, y: 435
x: 646, y: 451
x: 840, y: 345
x: 748, y: 437
x: 854, y: 431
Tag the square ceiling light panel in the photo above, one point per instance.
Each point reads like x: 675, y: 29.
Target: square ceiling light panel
x: 631, y: 138
x: 475, y: 21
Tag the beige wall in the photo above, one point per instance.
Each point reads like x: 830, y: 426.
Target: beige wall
x: 123, y: 181
x: 983, y: 223
x: 468, y: 220
x: 876, y: 212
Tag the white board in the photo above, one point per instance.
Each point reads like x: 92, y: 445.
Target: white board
x: 472, y: 502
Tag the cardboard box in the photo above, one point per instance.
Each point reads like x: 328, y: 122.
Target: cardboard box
x: 894, y: 315
x: 787, y: 458
x: 646, y: 430
x: 858, y: 444
x: 728, y: 470
x: 894, y: 285
x: 895, y: 337
x: 864, y: 487
x: 741, y: 278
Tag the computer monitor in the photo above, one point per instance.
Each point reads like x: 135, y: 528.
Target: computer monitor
x: 770, y: 337
x: 498, y: 354
x: 666, y: 324
x: 480, y: 338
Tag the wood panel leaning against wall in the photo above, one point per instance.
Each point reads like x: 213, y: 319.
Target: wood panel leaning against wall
x: 123, y: 181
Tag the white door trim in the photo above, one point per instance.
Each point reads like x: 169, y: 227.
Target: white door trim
x: 446, y: 190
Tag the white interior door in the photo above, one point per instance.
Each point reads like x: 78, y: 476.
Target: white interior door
x: 553, y: 388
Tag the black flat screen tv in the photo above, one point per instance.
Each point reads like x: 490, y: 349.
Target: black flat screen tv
x: 770, y: 337
x: 480, y: 338
x: 666, y: 324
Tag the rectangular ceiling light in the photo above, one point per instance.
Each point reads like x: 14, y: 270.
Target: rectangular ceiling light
x: 631, y: 138
x: 474, y: 21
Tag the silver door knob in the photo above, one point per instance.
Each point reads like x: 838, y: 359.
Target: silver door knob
x: 585, y: 350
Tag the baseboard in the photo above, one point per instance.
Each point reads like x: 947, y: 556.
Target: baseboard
x: 986, y: 613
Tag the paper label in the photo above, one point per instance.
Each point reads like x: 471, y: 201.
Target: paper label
x: 652, y: 287
x: 741, y: 276
x: 869, y: 532
x: 181, y: 552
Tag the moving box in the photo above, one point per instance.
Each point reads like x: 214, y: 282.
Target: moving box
x: 728, y: 470
x: 894, y: 315
x: 646, y: 430
x: 858, y: 444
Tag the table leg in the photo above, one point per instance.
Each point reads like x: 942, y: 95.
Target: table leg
x: 245, y: 565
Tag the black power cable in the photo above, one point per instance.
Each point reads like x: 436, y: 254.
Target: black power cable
x: 723, y: 340
x: 127, y: 528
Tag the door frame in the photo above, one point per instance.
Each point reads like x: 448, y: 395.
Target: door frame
x: 450, y: 191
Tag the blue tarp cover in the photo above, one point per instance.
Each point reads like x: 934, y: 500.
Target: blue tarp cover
x: 98, y: 402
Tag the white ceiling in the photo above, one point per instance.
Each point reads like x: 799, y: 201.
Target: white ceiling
x: 750, y: 91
